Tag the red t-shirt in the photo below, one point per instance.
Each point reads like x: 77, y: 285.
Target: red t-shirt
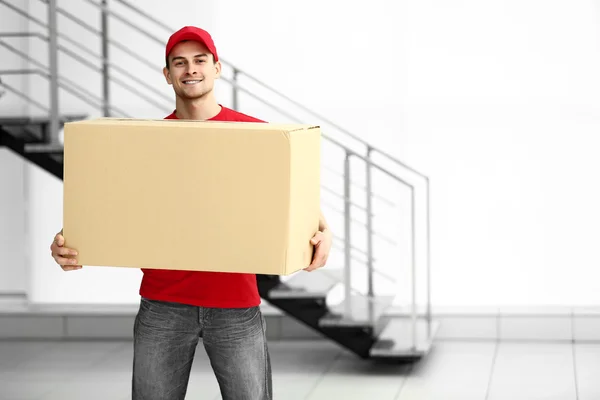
x: 205, y: 289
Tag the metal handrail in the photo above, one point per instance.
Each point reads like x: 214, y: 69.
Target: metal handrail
x: 73, y: 86
x: 111, y: 64
x: 96, y: 69
x: 362, y: 224
x: 110, y: 12
x: 361, y: 187
x: 47, y: 76
x: 348, y: 258
x: 73, y: 42
x: 87, y: 63
x: 357, y: 251
x: 144, y: 14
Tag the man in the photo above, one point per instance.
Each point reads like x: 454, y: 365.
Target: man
x: 179, y: 307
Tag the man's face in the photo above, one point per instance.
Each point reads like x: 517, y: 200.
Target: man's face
x: 192, y: 71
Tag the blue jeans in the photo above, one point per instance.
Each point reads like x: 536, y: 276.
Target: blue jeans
x: 165, y: 339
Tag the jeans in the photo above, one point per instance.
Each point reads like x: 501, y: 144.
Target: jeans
x: 165, y: 339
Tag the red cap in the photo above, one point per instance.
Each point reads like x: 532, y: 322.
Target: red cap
x: 192, y: 33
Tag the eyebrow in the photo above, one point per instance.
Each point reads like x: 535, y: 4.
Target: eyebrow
x: 183, y: 58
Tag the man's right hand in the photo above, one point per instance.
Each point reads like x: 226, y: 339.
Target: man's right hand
x: 63, y: 256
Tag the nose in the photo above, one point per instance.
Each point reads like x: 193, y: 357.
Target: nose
x: 191, y: 69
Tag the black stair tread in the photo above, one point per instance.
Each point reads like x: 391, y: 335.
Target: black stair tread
x: 365, y: 312
x: 57, y: 158
x: 28, y: 120
x: 16, y: 141
x: 304, y: 284
x: 396, y: 339
x: 57, y: 148
x: 21, y: 133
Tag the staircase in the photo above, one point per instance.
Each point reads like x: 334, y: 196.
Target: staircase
x: 354, y: 301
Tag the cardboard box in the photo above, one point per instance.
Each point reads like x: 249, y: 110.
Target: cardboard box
x: 190, y: 195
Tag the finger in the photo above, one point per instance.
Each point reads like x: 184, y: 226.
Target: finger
x: 65, y: 251
x: 65, y: 261
x: 313, y: 263
x: 71, y: 267
x: 313, y: 267
x: 59, y: 240
x: 317, y: 262
x: 320, y: 262
x: 318, y: 238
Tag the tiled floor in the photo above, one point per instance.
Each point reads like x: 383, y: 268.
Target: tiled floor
x: 319, y: 370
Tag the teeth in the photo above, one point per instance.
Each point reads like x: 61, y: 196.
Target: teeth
x: 191, y: 82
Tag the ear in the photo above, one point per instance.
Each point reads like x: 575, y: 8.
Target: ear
x: 217, y: 69
x: 167, y: 74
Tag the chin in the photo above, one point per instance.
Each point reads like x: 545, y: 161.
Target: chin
x: 193, y: 94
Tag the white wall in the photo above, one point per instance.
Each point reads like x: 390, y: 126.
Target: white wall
x: 13, y: 263
x: 496, y: 102
x: 500, y: 106
x: 13, y: 271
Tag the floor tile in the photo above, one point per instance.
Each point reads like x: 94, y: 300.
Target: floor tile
x: 298, y: 366
x: 95, y: 389
x: 24, y: 389
x: 451, y: 371
x: 13, y: 353
x: 525, y: 371
x: 587, y: 364
x: 353, y: 378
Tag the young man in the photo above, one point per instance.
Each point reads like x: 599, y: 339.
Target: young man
x: 179, y: 307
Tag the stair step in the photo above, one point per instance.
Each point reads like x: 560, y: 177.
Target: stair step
x: 302, y: 284
x: 20, y: 121
x: 44, y: 148
x: 365, y: 312
x: 396, y: 340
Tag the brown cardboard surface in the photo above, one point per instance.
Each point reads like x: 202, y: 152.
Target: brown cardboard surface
x: 209, y: 196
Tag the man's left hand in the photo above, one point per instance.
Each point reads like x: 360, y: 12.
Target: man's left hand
x: 322, y: 242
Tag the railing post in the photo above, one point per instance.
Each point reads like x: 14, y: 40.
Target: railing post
x: 369, y: 192
x: 428, y: 227
x: 105, y: 63
x: 53, y: 126
x: 234, y: 88
x: 347, y: 241
x: 414, y: 270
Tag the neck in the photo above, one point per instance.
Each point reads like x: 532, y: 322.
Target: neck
x: 200, y: 109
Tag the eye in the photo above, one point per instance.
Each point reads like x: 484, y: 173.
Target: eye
x: 178, y: 63
x: 200, y: 61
